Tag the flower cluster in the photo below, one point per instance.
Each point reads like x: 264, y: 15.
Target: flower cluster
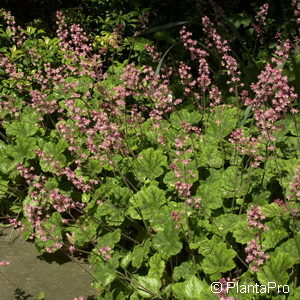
x: 105, y: 252
x: 16, y: 224
x: 8, y: 67
x: 185, y: 75
x: 295, y: 185
x: 215, y: 96
x: 77, y: 49
x: 273, y: 95
x: 254, y: 218
x: 40, y: 103
x: 228, y: 61
x: 78, y: 181
x: 260, y: 19
x: 183, y: 188
x: 282, y: 53
x: 17, y: 35
x: 255, y: 256
x: 27, y: 173
x: 287, y: 207
x: 61, y: 203
x: 181, y: 166
x: 247, y: 145
x: 145, y: 83
x: 176, y: 217
x: 155, y: 55
x: 4, y: 263
x: 203, y: 80
x: 9, y: 106
x: 194, y: 202
x: 224, y: 289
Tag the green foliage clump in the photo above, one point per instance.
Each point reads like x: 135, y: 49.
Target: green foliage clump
x: 167, y: 177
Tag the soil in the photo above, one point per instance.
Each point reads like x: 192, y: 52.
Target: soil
x: 30, y: 273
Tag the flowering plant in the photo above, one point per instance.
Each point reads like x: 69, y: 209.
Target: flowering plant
x: 164, y: 189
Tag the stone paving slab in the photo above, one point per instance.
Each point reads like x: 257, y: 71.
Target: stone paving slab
x: 29, y: 273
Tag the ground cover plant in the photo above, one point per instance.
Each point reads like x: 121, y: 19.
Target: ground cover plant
x: 168, y: 176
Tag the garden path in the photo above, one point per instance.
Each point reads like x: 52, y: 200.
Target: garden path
x: 29, y: 273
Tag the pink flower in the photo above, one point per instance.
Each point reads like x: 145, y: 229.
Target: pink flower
x: 183, y: 188
x: 255, y: 256
x: 105, y: 252
x: 71, y: 249
x: 254, y: 218
x: 224, y: 289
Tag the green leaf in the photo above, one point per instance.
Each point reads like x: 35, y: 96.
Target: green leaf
x: 94, y: 167
x: 242, y: 233
x: 53, y: 225
x: 110, y: 214
x: 275, y: 269
x: 261, y: 197
x: 184, y: 116
x: 193, y: 289
x: 24, y: 128
x: 82, y: 235
x: 232, y: 183
x: 121, y: 195
x: 8, y: 32
x: 126, y: 260
x: 157, y: 266
x: 292, y: 248
x: 147, y: 200
x: 105, y: 188
x: 247, y: 113
x: 226, y: 223
x: 139, y: 253
x: 135, y: 296
x: 158, y: 219
x: 139, y: 44
x: 186, y: 269
x: 85, y: 197
x: 272, y: 210
x: 220, y: 260
x: 41, y: 296
x: 296, y: 294
x: 105, y: 273
x: 82, y: 83
x: 56, y: 149
x: 210, y: 155
x: 291, y: 126
x: 167, y: 241
x: 273, y: 237
x: 149, y: 164
x: 24, y: 149
x: 147, y: 286
x: 210, y: 195
x: 51, y: 184
x: 109, y: 239
x: 3, y: 186
x: 204, y: 244
x: 221, y: 122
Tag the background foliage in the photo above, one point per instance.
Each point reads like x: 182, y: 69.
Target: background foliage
x: 159, y: 141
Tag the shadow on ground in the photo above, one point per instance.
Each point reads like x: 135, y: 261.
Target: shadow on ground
x: 30, y: 273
